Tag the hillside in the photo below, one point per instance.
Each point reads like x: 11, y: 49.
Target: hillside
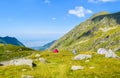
x: 100, y: 30
x: 8, y: 52
x: 10, y: 40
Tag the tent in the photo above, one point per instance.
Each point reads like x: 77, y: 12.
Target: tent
x: 74, y: 51
x: 101, y: 51
x: 55, y: 51
x: 111, y: 54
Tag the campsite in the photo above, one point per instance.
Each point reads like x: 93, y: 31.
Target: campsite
x: 59, y: 38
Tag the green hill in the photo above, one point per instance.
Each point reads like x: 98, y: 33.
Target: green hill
x: 10, y: 40
x: 8, y: 52
x: 100, y: 30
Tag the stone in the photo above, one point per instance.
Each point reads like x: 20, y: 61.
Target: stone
x: 87, y: 60
x: 27, y: 76
x: 42, y: 60
x: 82, y: 56
x: 77, y: 68
x: 24, y: 70
x: 91, y: 67
x: 37, y: 55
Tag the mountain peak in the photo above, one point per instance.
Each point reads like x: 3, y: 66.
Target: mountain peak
x: 101, y: 30
x: 100, y: 13
x: 10, y: 40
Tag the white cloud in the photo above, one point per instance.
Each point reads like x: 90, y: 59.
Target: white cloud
x: 53, y: 18
x: 47, y: 1
x: 80, y: 11
x: 96, y: 1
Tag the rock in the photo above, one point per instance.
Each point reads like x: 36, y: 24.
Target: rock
x: 1, y: 64
x: 22, y: 62
x: 87, y: 60
x: 24, y: 70
x: 91, y: 67
x: 37, y: 55
x: 42, y: 60
x: 77, y: 68
x: 27, y: 76
x: 82, y: 56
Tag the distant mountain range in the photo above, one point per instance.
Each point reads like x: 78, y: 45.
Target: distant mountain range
x: 44, y: 47
x: 10, y: 40
x: 102, y: 30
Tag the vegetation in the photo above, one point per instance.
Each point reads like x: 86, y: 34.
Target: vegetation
x: 59, y: 66
x: 8, y: 52
x: 101, y: 30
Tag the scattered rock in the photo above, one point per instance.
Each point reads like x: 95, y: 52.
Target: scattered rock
x: 23, y: 62
x: 27, y: 76
x: 77, y: 68
x: 87, y: 60
x: 1, y: 64
x: 24, y: 70
x: 18, y: 62
x: 37, y: 55
x: 82, y: 56
x: 91, y: 67
x: 42, y: 60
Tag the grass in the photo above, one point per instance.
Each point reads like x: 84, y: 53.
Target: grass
x: 8, y: 52
x: 59, y: 66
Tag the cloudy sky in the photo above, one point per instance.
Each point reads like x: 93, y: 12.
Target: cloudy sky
x: 36, y: 22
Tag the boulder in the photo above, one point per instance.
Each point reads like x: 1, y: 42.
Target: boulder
x: 42, y: 60
x: 91, y: 67
x: 82, y: 56
x: 17, y: 62
x: 37, y: 55
x: 87, y: 60
x: 77, y: 68
x: 22, y: 62
x: 27, y: 76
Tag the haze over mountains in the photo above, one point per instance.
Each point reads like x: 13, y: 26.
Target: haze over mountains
x: 102, y: 30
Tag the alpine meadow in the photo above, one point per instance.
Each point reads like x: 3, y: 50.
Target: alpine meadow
x: 60, y: 39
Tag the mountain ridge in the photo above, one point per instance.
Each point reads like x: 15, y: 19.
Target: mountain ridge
x: 10, y: 40
x: 96, y: 32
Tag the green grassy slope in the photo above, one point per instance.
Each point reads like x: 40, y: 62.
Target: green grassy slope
x: 100, y: 30
x: 8, y: 52
x: 59, y: 66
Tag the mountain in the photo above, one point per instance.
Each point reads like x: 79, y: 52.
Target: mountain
x: 102, y: 30
x: 10, y: 40
x: 44, y: 47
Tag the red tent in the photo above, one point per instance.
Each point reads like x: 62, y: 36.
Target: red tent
x: 55, y: 51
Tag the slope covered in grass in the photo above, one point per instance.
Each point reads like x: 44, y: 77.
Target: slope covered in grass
x: 8, y: 52
x: 102, y: 30
x: 59, y: 66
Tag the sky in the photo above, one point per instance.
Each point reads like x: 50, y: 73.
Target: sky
x: 37, y: 22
